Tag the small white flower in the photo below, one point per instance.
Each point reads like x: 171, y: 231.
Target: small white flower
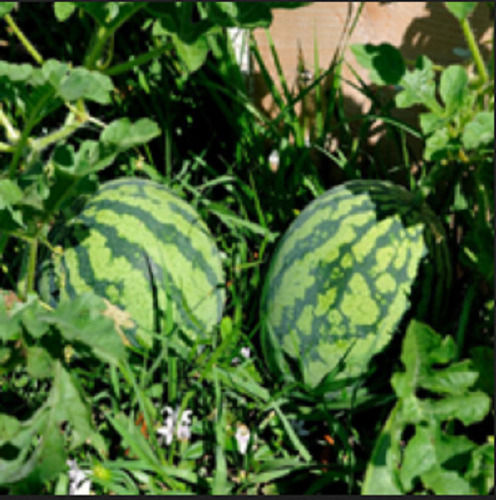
x: 79, y: 482
x: 274, y: 160
x: 184, y: 426
x: 183, y: 431
x: 166, y: 432
x: 242, y: 438
x: 245, y: 353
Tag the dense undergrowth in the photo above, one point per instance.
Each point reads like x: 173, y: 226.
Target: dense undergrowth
x: 94, y: 91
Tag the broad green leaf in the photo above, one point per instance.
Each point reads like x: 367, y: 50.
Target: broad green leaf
x: 418, y: 87
x: 445, y: 482
x: 39, y: 362
x: 222, y: 11
x: 21, y: 466
x: 449, y: 446
x: 50, y: 455
x: 255, y: 14
x: 192, y: 54
x: 460, y: 10
x: 82, y: 83
x: 123, y: 134
x: 16, y: 72
x: 381, y: 476
x: 67, y: 406
x: 479, y: 131
x: 63, y: 156
x: 419, y: 340
x: 6, y: 7
x: 63, y: 10
x: 468, y: 408
x: 241, y: 14
x: 53, y: 71
x: 436, y: 144
x: 419, y: 456
x: 11, y: 328
x: 480, y: 471
x: 30, y: 318
x: 385, y: 62
x: 93, y: 156
x: 455, y: 379
x: 429, y: 122
x: 10, y: 193
x: 453, y: 87
x: 81, y: 320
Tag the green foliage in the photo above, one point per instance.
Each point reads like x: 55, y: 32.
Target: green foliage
x: 458, y: 130
x: 442, y: 460
x: 461, y: 10
x: 154, y: 91
x: 41, y: 343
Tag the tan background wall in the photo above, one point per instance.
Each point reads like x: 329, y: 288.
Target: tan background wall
x: 414, y: 27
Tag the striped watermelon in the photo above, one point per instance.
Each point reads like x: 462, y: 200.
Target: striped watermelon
x: 341, y: 275
x: 138, y: 244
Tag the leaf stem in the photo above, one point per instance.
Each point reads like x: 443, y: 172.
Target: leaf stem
x: 6, y: 148
x: 103, y: 33
x: 474, y: 49
x: 32, y: 121
x: 100, y: 38
x: 33, y: 252
x: 69, y: 128
x: 10, y: 131
x: 137, y: 61
x: 22, y: 38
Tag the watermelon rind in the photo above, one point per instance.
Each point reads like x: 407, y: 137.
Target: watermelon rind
x: 147, y: 251
x: 339, y: 281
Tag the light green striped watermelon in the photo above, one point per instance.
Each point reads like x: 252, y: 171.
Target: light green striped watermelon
x: 140, y: 246
x: 340, y: 279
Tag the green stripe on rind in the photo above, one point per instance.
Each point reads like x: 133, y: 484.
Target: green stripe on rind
x: 301, y: 279
x: 131, y: 222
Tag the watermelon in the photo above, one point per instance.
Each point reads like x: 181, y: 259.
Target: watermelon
x: 339, y: 281
x: 146, y: 251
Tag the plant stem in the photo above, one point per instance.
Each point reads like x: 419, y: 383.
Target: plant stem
x: 474, y: 49
x: 20, y: 35
x: 103, y: 33
x: 6, y: 148
x: 32, y: 121
x: 100, y: 39
x: 137, y: 61
x: 33, y: 252
x: 58, y: 135
x: 10, y: 131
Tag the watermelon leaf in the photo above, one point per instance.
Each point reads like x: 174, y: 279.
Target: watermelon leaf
x: 432, y: 446
x: 6, y: 7
x: 460, y: 10
x: 63, y: 10
x: 122, y: 134
x: 385, y: 62
x: 82, y: 320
